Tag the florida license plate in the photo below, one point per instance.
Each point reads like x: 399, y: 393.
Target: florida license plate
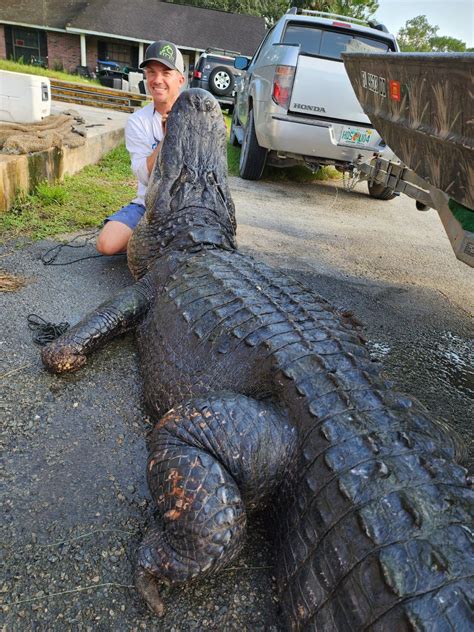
x: 356, y: 136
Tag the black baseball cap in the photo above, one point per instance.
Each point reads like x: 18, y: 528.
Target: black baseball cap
x: 166, y: 53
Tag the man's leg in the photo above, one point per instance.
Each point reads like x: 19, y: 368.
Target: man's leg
x: 113, y: 238
x: 118, y: 229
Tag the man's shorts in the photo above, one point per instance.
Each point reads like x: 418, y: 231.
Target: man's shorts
x: 129, y: 215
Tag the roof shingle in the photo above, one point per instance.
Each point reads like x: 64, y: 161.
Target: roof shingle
x: 147, y: 20
x: 53, y: 13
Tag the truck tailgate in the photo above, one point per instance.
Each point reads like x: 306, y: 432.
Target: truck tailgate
x: 335, y: 99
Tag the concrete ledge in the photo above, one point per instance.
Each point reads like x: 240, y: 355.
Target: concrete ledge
x: 21, y: 174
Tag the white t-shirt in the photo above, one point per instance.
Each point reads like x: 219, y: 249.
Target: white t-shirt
x: 143, y: 132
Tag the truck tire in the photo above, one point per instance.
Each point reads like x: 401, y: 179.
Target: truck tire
x: 221, y: 81
x: 252, y: 156
x: 380, y: 192
x: 232, y: 136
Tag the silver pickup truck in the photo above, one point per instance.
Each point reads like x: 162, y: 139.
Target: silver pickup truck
x: 296, y: 105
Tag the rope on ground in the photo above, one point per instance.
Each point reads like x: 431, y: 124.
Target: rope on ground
x: 50, y: 256
x: 45, y: 332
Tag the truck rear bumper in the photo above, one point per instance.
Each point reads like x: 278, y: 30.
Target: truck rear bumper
x: 313, y: 138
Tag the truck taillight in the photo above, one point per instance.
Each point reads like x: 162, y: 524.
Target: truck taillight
x: 197, y: 74
x: 282, y: 85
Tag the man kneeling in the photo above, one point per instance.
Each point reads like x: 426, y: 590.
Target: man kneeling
x: 145, y: 129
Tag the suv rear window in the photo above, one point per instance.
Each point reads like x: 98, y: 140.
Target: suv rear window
x: 226, y: 61
x: 323, y: 43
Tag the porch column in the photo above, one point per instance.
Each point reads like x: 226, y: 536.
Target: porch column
x: 83, y: 50
x: 141, y: 54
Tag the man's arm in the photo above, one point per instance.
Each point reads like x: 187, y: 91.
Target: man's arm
x: 139, y: 146
x: 150, y: 161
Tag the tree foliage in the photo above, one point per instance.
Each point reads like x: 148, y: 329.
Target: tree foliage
x: 271, y: 10
x: 418, y: 35
x: 362, y: 9
x: 446, y: 44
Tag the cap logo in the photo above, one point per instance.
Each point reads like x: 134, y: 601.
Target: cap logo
x: 167, y: 51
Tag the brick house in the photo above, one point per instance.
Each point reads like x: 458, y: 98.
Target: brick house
x: 72, y: 33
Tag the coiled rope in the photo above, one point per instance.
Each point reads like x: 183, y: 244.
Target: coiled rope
x: 45, y: 332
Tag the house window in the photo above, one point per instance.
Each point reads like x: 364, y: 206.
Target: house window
x: 26, y: 44
x: 123, y: 54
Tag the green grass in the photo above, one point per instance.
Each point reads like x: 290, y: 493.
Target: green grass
x: 85, y: 199
x: 51, y: 194
x: 15, y: 66
x: 464, y: 215
x: 81, y: 201
x: 273, y: 174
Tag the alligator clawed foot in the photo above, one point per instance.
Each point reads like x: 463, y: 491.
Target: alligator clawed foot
x: 62, y: 358
x: 147, y: 587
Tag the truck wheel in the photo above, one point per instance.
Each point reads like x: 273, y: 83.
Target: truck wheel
x: 380, y: 192
x: 252, y: 156
x: 232, y: 136
x: 221, y: 81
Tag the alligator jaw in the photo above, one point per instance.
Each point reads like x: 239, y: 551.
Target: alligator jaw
x: 188, y: 194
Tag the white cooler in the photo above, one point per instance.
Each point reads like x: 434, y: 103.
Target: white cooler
x: 24, y: 98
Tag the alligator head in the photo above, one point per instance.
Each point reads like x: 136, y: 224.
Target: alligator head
x: 188, y: 203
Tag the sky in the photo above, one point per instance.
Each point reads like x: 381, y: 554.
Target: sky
x: 454, y: 17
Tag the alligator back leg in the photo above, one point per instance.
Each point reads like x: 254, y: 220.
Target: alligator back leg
x: 114, y: 317
x: 210, y: 461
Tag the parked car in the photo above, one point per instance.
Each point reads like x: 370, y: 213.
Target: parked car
x: 296, y: 105
x: 215, y: 72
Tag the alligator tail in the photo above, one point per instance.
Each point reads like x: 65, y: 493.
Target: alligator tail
x: 377, y: 536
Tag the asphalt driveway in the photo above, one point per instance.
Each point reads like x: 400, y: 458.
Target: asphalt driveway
x: 75, y: 500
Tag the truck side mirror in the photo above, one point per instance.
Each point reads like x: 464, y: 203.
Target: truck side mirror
x: 241, y: 63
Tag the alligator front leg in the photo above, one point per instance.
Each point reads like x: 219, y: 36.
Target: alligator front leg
x: 116, y: 316
x: 210, y: 461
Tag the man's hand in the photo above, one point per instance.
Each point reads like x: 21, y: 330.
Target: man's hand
x: 150, y: 161
x: 164, y: 118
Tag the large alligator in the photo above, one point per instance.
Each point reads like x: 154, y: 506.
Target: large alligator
x: 265, y: 393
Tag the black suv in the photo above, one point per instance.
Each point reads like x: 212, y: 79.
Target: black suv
x: 215, y: 72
